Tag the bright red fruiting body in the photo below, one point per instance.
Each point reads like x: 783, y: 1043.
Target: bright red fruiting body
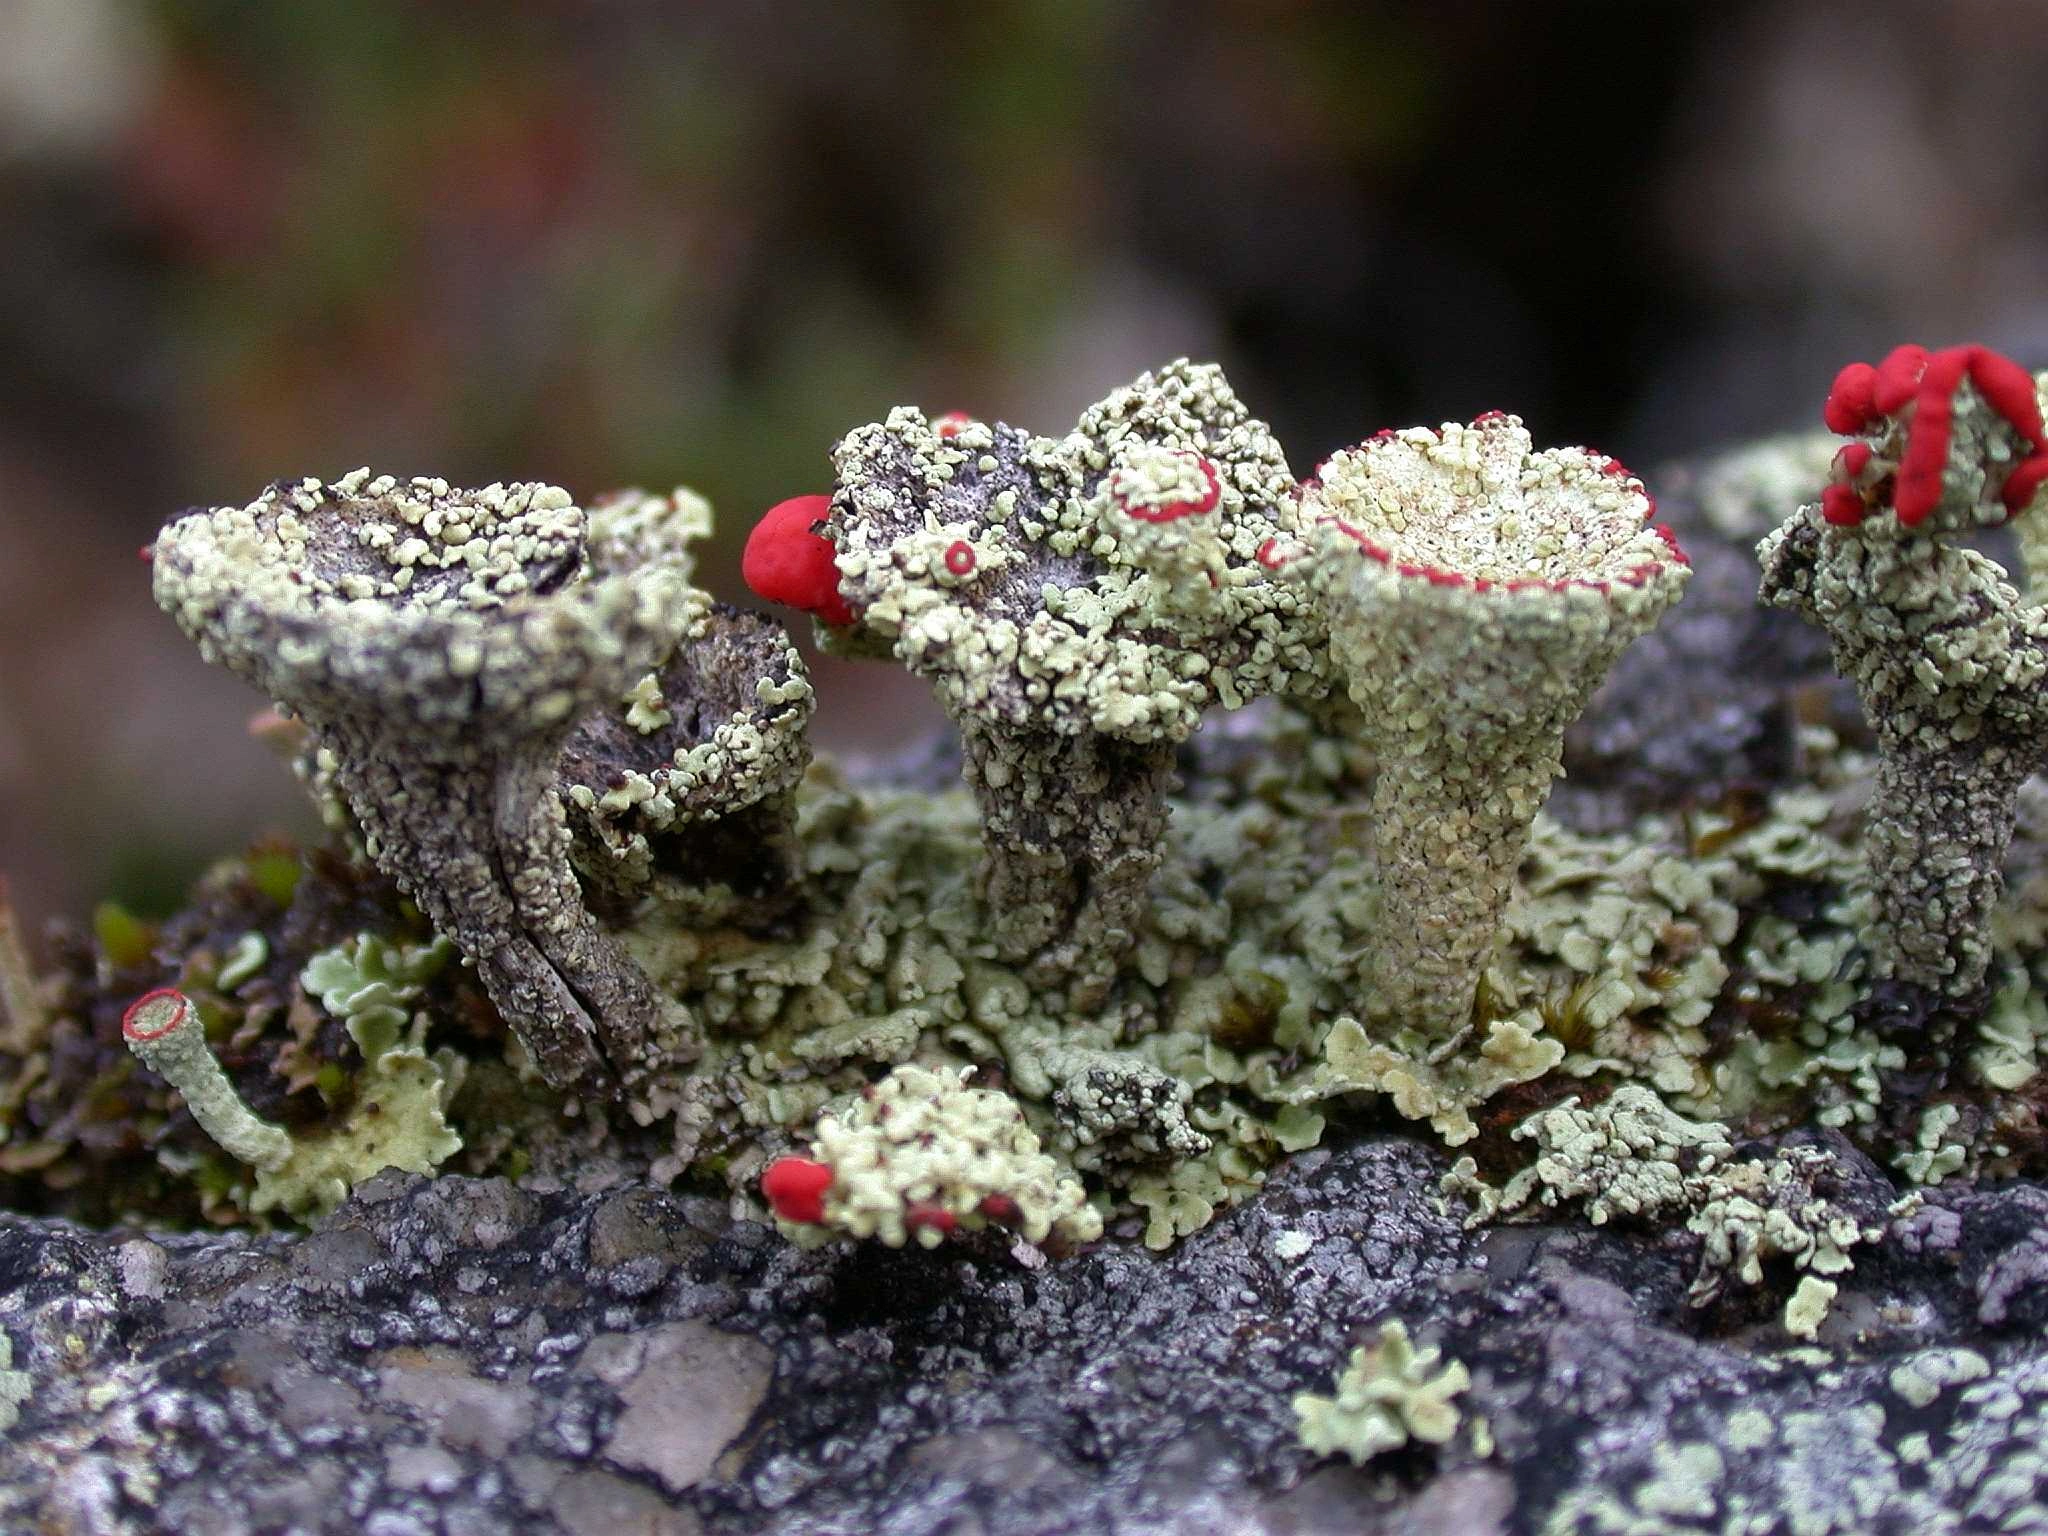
x: 960, y: 557
x: 1174, y: 511
x: 2020, y: 486
x: 1851, y: 399
x: 923, y: 1213
x: 131, y: 1028
x: 1485, y: 418
x: 1928, y: 381
x: 795, y: 1187
x: 788, y: 561
x: 950, y: 424
x: 1840, y: 505
x: 1898, y: 376
x: 1000, y: 1209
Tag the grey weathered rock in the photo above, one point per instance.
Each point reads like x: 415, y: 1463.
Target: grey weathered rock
x: 445, y: 1357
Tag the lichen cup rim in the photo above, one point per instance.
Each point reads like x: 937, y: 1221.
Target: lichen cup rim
x: 233, y: 589
x: 1630, y: 550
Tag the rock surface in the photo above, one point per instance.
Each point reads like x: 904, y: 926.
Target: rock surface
x: 465, y: 1357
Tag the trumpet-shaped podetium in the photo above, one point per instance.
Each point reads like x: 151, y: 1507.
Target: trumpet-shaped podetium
x: 164, y: 1031
x: 1477, y: 592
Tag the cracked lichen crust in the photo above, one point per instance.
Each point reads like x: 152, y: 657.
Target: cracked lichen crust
x: 1947, y: 658
x: 1390, y: 1393
x: 441, y: 643
x: 922, y: 1154
x: 684, y: 790
x: 1478, y: 591
x: 1077, y: 602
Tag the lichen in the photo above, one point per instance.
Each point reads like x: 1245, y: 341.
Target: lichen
x: 1629, y: 1155
x: 1947, y: 658
x: 1389, y: 1394
x: 15, y: 1386
x: 920, y: 1155
x: 441, y: 644
x: 1477, y: 592
x: 369, y: 982
x: 399, y: 1119
x: 597, y: 784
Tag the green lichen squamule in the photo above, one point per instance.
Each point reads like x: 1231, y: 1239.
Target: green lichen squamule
x: 1389, y: 1394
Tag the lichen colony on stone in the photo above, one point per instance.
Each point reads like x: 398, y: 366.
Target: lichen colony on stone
x: 1070, y: 995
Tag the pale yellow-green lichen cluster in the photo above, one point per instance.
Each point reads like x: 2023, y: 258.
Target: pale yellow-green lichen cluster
x: 1233, y: 1026
x: 1477, y: 592
x: 1170, y: 1005
x: 1078, y: 603
x: 922, y: 1153
x: 1629, y: 1155
x: 1389, y: 1394
x: 1632, y: 1157
x: 369, y: 982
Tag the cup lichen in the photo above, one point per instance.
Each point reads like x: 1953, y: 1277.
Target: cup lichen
x: 1357, y: 901
x: 1077, y: 603
x: 1478, y: 591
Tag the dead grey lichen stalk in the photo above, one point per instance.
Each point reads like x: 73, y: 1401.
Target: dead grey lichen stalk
x: 1077, y: 603
x: 442, y: 643
x: 1477, y: 593
x: 1951, y: 665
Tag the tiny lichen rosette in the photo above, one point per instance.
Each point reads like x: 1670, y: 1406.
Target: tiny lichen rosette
x: 441, y: 643
x: 921, y: 1155
x: 1477, y: 593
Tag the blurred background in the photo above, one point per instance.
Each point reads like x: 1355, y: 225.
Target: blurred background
x: 605, y: 243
